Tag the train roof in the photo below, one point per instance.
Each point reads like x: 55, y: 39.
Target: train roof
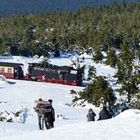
x: 51, y: 66
x: 9, y: 64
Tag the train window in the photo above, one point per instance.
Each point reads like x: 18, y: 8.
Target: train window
x: 2, y: 70
x: 9, y: 70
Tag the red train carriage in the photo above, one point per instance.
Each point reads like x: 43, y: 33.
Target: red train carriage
x: 11, y: 70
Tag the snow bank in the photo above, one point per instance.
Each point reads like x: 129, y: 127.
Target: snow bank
x: 4, y: 81
x: 131, y: 113
x: 111, y: 129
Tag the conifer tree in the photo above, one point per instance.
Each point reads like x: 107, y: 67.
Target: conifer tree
x: 91, y: 72
x: 111, y: 58
x: 97, y: 89
x: 2, y: 47
x: 28, y: 40
x: 131, y: 88
x: 98, y: 56
x: 124, y: 64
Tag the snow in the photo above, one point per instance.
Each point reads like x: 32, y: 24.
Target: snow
x: 86, y: 56
x: 72, y: 123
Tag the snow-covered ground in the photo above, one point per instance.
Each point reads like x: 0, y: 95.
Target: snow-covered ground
x: 73, y: 125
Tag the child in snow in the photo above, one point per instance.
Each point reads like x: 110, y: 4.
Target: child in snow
x: 91, y: 115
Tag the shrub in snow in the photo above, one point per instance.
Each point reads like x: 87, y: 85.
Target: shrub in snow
x: 135, y: 104
x: 73, y: 92
x: 77, y: 102
x: 5, y: 117
x: 19, y: 115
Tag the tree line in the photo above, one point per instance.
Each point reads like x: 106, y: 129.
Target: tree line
x: 100, y: 28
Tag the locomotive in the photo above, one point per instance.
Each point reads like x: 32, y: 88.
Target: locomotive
x: 55, y: 74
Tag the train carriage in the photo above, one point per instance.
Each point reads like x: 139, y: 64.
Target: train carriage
x: 11, y: 70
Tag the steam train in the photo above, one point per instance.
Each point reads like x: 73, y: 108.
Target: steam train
x: 43, y: 72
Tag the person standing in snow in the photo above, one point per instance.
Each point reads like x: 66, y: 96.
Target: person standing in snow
x: 52, y: 114
x: 104, y: 114
x: 39, y: 112
x: 44, y: 110
x: 47, y: 114
x: 91, y: 115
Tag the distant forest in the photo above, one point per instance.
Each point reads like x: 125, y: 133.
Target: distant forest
x: 102, y: 28
x: 12, y: 7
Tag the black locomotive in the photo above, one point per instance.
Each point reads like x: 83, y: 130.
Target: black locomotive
x: 46, y: 72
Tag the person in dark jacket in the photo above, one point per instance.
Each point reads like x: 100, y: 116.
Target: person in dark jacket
x: 48, y: 115
x: 52, y: 114
x: 20, y: 73
x: 91, y: 115
x: 44, y: 111
x: 104, y: 114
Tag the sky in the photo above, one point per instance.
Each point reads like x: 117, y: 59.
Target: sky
x: 73, y: 125
x: 14, y: 7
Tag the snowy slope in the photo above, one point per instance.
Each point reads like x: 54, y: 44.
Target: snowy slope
x: 74, y: 125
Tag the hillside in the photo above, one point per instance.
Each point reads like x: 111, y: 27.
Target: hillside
x: 74, y: 123
x: 10, y: 7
